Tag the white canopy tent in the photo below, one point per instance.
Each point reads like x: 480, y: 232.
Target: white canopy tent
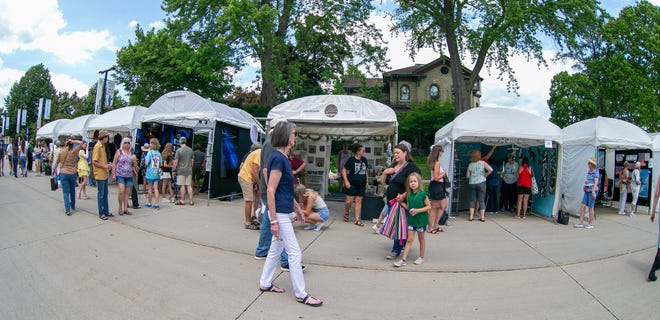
x: 123, y: 120
x: 189, y: 110
x: 50, y: 130
x: 338, y: 115
x: 323, y: 118
x: 499, y: 127
x: 582, y: 140
x: 77, y: 127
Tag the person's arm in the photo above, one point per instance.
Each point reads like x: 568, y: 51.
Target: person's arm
x: 114, y: 164
x: 344, y: 177
x: 308, y: 206
x: 273, y: 181
x: 595, y: 190
x: 255, y: 173
x: 467, y: 173
x: 426, y: 208
x: 300, y: 168
x: 490, y: 153
x: 489, y: 170
x: 656, y: 196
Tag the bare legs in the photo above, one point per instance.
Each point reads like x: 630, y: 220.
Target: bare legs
x: 153, y: 187
x: 523, y: 200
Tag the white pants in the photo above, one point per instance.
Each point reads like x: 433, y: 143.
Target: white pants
x: 635, y: 193
x: 623, y: 192
x: 289, y: 243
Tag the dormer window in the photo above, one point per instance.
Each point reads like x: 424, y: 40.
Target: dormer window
x: 404, y: 93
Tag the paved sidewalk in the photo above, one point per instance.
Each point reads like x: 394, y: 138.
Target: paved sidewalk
x: 504, y: 268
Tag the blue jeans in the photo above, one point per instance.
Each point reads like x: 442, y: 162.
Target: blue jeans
x: 398, y: 245
x: 69, y: 190
x: 102, y: 188
x: 266, y: 237
x: 14, y: 161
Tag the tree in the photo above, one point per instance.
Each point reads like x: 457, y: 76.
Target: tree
x: 423, y: 120
x: 619, y: 78
x: 25, y: 93
x: 489, y: 32
x: 369, y: 92
x: 297, y: 42
x: 162, y: 61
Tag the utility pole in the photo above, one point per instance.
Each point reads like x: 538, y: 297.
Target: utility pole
x: 105, y: 83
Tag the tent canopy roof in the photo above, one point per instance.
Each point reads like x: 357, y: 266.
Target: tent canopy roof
x: 608, y: 133
x: 656, y: 141
x: 50, y: 130
x: 119, y: 120
x: 342, y: 115
x: 499, y: 126
x: 187, y: 109
x: 76, y: 127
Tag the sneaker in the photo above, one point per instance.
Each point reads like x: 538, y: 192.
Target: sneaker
x: 68, y: 213
x: 286, y: 268
x: 309, y: 227
x: 157, y: 207
x: 137, y: 207
x: 392, y: 255
x: 579, y: 225
x: 419, y: 261
x: 622, y: 213
x: 375, y: 228
x: 319, y: 226
x: 589, y: 226
x: 148, y: 205
x: 260, y: 257
x: 632, y: 214
x: 400, y: 263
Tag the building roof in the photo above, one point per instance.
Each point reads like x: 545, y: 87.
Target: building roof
x: 420, y: 70
x: 357, y: 82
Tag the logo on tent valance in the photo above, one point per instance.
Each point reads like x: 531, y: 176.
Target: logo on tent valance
x: 331, y: 110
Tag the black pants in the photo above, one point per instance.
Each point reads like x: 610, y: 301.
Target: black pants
x: 508, y: 197
x: 134, y: 196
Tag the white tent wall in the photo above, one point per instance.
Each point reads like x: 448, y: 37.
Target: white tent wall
x: 322, y: 119
x: 502, y: 127
x: 77, y: 127
x: 574, y: 160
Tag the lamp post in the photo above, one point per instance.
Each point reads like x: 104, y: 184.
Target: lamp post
x: 105, y: 82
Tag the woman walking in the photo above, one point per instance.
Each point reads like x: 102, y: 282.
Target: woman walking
x: 123, y: 166
x: 281, y: 203
x: 153, y: 159
x: 166, y: 178
x: 83, y: 170
x: 68, y: 166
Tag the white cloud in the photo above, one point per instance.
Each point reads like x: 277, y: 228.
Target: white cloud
x: 157, y: 25
x: 7, y: 78
x: 37, y: 25
x: 133, y: 24
x: 66, y: 83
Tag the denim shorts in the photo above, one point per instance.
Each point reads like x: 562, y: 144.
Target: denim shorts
x: 125, y: 181
x: 153, y: 180
x: 589, y: 200
x: 324, y: 213
x: 418, y: 229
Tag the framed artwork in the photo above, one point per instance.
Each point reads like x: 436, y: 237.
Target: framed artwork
x: 321, y: 148
x: 312, y: 149
x: 370, y: 163
x: 378, y: 152
x: 320, y: 162
x: 379, y: 162
x: 367, y: 150
x: 310, y: 159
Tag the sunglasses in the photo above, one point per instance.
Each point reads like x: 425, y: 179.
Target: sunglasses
x: 127, y: 142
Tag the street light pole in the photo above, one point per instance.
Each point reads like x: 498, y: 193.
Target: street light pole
x: 105, y: 83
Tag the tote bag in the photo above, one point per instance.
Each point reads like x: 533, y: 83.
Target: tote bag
x: 396, y: 222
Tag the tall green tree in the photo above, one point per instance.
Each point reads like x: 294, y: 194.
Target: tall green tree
x: 25, y: 93
x: 161, y: 61
x: 297, y: 42
x: 489, y: 32
x: 620, y: 79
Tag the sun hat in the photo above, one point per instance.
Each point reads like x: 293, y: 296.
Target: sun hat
x: 592, y: 160
x: 145, y: 147
x: 103, y: 133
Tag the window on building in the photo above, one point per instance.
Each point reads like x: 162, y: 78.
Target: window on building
x: 444, y: 70
x: 405, y: 93
x: 434, y: 92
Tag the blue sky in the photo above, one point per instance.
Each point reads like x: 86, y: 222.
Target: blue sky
x: 75, y: 39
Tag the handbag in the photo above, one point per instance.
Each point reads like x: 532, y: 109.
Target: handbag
x: 535, y: 187
x: 562, y: 217
x: 53, y: 183
x: 395, y: 224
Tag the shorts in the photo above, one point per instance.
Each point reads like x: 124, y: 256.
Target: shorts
x: 437, y: 190
x: 524, y: 190
x: 589, y: 200
x: 125, y: 181
x: 417, y: 229
x: 166, y: 175
x: 247, y: 188
x: 356, y: 190
x: 153, y: 180
x: 38, y: 157
x: 324, y: 213
x: 184, y: 180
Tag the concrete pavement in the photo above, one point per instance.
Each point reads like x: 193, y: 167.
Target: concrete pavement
x: 197, y: 263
